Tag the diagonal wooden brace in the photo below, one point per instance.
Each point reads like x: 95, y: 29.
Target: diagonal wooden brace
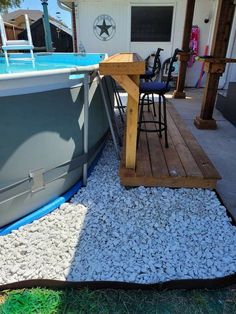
x: 128, y: 84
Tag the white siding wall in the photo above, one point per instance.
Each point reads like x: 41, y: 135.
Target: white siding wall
x: 120, y: 10
x: 203, y: 9
x: 88, y: 12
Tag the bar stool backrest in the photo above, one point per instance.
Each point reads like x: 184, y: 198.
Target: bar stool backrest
x: 155, y: 66
x: 171, y: 69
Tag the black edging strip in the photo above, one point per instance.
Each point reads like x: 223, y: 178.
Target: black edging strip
x: 185, y: 284
x: 227, y: 210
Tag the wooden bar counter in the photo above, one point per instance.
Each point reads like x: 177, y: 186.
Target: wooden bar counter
x: 183, y: 164
x: 126, y: 68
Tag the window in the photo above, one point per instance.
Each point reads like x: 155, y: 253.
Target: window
x: 151, y: 23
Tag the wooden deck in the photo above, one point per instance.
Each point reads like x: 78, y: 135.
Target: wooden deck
x: 183, y: 164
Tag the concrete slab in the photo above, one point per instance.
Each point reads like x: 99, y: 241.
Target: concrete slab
x: 220, y: 144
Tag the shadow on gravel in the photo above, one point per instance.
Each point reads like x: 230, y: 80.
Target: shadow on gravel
x: 108, y: 245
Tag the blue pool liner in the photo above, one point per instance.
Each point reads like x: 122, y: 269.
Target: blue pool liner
x: 46, y: 209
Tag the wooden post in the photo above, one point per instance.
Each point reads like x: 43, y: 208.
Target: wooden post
x: 47, y: 27
x: 132, y: 121
x: 184, y: 56
x: 74, y: 31
x: 130, y: 84
x: 224, y: 19
x: 126, y: 68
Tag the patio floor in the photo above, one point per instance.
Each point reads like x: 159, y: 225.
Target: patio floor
x: 183, y: 164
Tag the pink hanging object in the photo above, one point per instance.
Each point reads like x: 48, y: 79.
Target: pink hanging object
x: 194, y: 44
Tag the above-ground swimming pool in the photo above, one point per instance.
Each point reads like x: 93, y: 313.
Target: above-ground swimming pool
x: 48, y: 61
x: 51, y: 71
x: 42, y: 131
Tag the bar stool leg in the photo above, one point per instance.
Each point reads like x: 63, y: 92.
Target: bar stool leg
x: 159, y: 116
x: 148, y: 100
x: 140, y: 117
x: 117, y: 100
x: 165, y: 121
x: 153, y: 103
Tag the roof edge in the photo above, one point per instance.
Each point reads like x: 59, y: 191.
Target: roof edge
x: 65, y: 5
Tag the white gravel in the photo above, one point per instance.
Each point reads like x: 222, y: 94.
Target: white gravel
x: 143, y: 235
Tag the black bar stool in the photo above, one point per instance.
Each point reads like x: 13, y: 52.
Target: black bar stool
x: 153, y: 71
x: 147, y: 90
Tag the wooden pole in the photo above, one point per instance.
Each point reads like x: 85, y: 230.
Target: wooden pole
x: 221, y: 36
x: 47, y: 28
x: 74, y: 28
x: 184, y: 56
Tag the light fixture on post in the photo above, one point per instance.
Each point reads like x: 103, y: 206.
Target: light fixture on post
x: 47, y: 30
x: 59, y: 19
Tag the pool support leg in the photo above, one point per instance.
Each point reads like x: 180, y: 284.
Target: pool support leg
x: 109, y: 117
x: 86, y: 122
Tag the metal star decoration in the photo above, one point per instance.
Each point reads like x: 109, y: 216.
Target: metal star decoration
x: 104, y: 28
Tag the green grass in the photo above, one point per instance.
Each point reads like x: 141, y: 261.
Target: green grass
x: 31, y: 301
x: 44, y: 301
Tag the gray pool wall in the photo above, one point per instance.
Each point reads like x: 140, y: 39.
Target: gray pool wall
x: 43, y: 133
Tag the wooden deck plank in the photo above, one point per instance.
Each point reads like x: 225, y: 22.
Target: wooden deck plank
x: 172, y: 158
x: 170, y: 154
x: 143, y: 167
x: 140, y: 167
x: 172, y: 182
x: 159, y: 167
x: 188, y: 162
x: 203, y: 162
